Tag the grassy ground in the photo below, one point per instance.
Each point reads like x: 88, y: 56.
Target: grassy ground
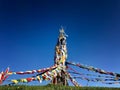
x: 52, y: 87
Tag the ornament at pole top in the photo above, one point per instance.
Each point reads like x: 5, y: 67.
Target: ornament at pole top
x: 62, y: 32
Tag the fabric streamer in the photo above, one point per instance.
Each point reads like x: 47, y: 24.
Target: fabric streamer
x: 99, y: 78
x: 91, y: 68
x: 4, y: 75
x: 111, y: 82
x: 91, y: 75
x: 82, y: 74
x: 48, y: 75
x: 72, y: 80
x: 32, y: 71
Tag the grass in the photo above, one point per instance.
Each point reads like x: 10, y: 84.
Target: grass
x: 53, y: 87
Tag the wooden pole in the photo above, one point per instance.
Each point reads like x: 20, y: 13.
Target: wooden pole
x: 60, y: 58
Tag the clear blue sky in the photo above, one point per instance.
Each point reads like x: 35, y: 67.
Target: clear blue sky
x: 29, y: 31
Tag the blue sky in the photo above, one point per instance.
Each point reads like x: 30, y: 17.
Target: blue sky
x: 29, y: 31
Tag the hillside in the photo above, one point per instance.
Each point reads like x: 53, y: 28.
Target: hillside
x: 52, y: 87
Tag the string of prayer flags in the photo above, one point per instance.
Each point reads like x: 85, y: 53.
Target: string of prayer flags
x: 91, y: 68
x: 4, y: 75
x: 32, y: 71
x: 39, y: 77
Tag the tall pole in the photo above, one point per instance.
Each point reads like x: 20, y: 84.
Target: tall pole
x: 60, y: 59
